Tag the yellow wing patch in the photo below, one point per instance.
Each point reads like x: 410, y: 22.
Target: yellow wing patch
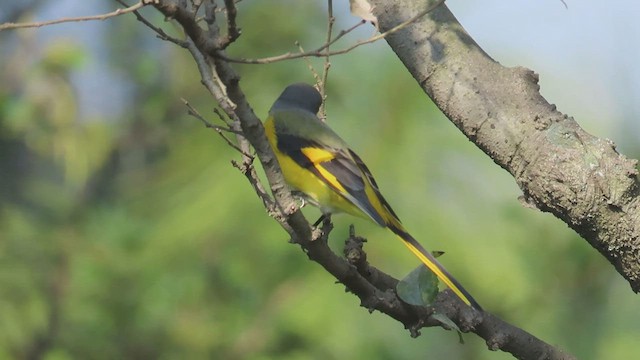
x: 317, y: 155
x: 331, y: 179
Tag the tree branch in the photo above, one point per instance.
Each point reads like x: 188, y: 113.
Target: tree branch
x: 498, y: 334
x: 323, y: 51
x: 375, y: 294
x: 561, y: 169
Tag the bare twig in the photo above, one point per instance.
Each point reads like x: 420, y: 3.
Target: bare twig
x: 221, y: 116
x: 233, y: 32
x: 249, y: 171
x: 218, y: 88
x: 318, y: 81
x: 327, y: 64
x: 316, y: 78
x: 219, y: 129
x: 341, y: 34
x: 212, y: 82
x: 315, y: 74
x: 193, y: 112
x: 323, y: 50
x: 117, y: 12
x: 160, y: 33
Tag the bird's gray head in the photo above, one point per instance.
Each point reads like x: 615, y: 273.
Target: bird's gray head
x: 299, y: 96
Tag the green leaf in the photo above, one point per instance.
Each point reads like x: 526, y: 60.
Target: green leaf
x: 419, y: 287
x: 449, y: 323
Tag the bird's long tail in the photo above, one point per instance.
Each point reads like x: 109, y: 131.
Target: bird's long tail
x: 430, y: 262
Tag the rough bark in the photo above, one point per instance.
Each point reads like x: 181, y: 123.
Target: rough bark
x: 561, y: 169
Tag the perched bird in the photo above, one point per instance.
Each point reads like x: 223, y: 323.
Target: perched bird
x: 316, y: 162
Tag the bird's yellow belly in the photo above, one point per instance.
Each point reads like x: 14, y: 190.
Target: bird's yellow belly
x: 318, y: 191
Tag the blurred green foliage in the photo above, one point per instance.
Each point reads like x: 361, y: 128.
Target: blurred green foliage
x: 131, y: 236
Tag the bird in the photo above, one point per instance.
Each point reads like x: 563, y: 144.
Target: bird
x: 317, y: 163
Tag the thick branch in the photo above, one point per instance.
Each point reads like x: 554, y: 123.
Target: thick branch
x: 498, y: 334
x: 223, y: 82
x: 561, y: 169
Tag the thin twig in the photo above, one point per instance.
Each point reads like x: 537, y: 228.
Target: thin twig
x: 249, y: 172
x: 221, y: 117
x: 318, y: 81
x: 327, y: 64
x: 193, y: 112
x: 214, y: 84
x: 306, y: 59
x: 233, y: 32
x: 341, y: 34
x: 323, y: 51
x: 117, y: 12
x: 217, y: 88
x: 160, y: 33
x: 219, y: 129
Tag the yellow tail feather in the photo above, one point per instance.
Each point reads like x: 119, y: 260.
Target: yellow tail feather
x: 430, y: 262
